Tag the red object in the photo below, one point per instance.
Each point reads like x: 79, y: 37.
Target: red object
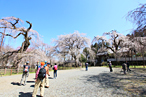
x: 55, y: 67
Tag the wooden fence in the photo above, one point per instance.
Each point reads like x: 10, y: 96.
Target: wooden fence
x: 19, y: 71
x: 13, y: 71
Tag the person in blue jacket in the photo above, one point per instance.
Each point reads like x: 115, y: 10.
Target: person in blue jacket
x: 86, y: 65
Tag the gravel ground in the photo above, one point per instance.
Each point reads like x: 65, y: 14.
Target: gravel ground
x: 96, y: 82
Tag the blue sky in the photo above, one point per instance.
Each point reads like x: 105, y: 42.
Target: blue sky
x: 51, y: 18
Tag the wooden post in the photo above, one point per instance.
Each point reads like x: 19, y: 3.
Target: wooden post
x: 17, y: 70
x: 5, y: 71
x: 11, y: 72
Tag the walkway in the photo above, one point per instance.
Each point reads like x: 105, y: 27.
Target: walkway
x: 97, y: 82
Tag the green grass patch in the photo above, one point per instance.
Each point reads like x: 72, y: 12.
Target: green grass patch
x: 129, y: 67
x: 137, y: 66
x: 66, y: 68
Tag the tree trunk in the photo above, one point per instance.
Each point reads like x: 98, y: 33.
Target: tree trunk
x: 2, y: 40
x: 143, y: 61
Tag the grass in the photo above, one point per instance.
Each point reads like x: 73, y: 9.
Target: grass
x: 67, y: 68
x: 137, y: 67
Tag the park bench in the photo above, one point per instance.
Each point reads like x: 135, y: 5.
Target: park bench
x: 1, y: 74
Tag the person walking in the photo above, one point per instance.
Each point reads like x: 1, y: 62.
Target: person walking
x: 124, y: 67
x: 47, y: 74
x: 55, y: 68
x: 128, y: 65
x: 110, y: 66
x: 36, y: 67
x: 86, y: 65
x: 25, y: 74
x: 40, y: 80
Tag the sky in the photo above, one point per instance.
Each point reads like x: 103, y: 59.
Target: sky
x: 51, y: 18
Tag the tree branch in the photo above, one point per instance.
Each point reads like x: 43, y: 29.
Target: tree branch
x: 30, y: 25
x: 14, y: 23
x: 11, y: 35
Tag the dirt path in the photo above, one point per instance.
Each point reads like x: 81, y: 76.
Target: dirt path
x: 96, y: 82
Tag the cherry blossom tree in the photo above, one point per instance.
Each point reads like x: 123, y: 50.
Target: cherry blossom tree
x: 13, y: 28
x: 140, y: 43
x: 138, y: 17
x: 114, y: 40
x: 71, y: 44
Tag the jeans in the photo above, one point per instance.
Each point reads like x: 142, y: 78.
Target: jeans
x: 55, y: 73
x: 24, y: 75
x: 86, y: 68
x: 124, y: 70
x: 128, y: 69
x: 111, y: 70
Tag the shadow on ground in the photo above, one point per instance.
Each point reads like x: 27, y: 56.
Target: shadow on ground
x: 133, y: 83
x: 28, y: 94
x: 32, y: 86
x: 30, y: 81
x: 50, y: 77
x: 15, y: 83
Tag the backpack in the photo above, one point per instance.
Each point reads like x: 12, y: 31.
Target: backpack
x: 42, y: 73
x: 55, y: 67
x: 25, y: 69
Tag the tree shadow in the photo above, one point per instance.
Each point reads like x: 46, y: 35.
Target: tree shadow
x: 142, y: 70
x: 28, y: 94
x: 133, y: 83
x: 15, y: 83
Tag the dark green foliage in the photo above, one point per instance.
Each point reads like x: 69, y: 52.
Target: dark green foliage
x: 86, y: 52
x: 83, y: 59
x: 104, y: 63
x: 138, y: 54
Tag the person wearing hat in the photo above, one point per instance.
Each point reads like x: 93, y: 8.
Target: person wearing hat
x: 25, y: 74
x: 47, y: 74
x: 45, y: 64
x: 39, y: 82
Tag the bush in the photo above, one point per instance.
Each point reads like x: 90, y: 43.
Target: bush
x: 138, y: 54
x: 104, y: 63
